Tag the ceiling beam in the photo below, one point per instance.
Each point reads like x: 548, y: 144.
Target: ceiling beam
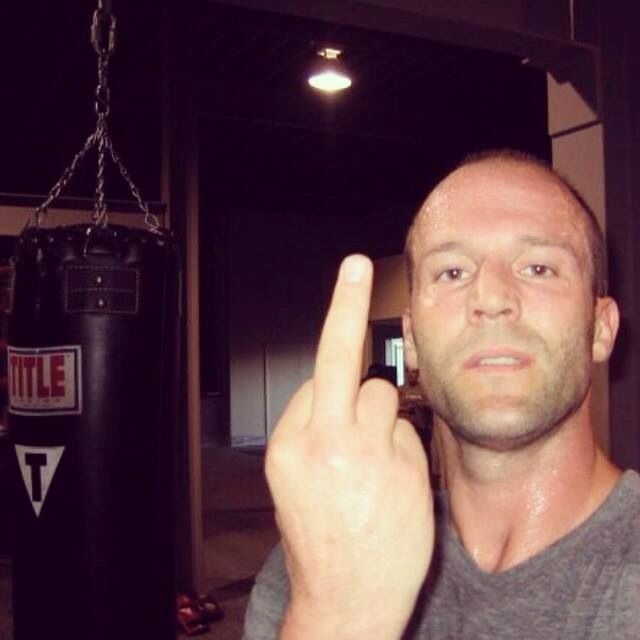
x: 517, y: 27
x: 554, y: 35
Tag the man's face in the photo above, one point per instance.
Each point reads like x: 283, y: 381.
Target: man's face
x: 501, y: 323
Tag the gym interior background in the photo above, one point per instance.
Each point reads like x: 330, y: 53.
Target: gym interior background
x: 267, y: 184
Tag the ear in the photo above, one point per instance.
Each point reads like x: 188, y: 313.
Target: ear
x: 607, y: 320
x: 410, y: 355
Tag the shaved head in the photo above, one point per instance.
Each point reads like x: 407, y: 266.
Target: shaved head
x: 509, y: 160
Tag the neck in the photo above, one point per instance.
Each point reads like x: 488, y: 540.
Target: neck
x: 506, y: 506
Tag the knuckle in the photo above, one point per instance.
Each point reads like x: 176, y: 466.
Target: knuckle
x: 381, y: 387
x: 378, y: 397
x: 279, y: 455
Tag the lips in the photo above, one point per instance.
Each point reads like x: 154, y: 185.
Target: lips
x: 497, y: 358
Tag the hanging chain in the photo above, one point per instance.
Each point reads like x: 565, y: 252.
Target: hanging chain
x: 150, y: 219
x: 64, y: 179
x: 103, y: 37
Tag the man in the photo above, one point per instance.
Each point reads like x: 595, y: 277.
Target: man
x: 538, y: 535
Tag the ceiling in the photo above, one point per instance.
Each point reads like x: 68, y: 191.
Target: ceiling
x: 266, y: 139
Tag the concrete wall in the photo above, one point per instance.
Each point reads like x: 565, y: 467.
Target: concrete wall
x: 281, y: 272
x: 578, y: 153
x: 390, y: 296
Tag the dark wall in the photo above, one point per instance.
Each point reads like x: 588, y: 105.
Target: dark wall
x: 620, y: 64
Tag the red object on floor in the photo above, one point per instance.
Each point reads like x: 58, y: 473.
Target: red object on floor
x: 195, y: 613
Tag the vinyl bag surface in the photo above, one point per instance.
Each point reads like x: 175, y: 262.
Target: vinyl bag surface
x: 92, y: 361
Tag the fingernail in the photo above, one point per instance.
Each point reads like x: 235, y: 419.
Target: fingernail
x: 353, y: 268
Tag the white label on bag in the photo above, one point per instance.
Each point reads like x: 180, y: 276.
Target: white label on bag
x: 45, y: 381
x: 38, y: 465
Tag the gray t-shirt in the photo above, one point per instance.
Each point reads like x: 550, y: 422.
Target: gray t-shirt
x: 584, y: 586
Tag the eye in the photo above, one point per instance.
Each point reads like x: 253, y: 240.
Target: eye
x: 450, y: 275
x: 539, y: 271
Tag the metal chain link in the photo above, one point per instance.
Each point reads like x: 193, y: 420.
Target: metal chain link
x: 99, y: 206
x: 102, y: 106
x: 103, y: 41
x: 103, y: 30
x: 150, y: 219
x: 64, y: 179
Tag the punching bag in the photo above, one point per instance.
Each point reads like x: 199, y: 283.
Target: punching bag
x: 92, y: 362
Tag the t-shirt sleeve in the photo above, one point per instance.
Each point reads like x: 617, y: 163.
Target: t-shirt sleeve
x: 626, y: 617
x: 268, y: 600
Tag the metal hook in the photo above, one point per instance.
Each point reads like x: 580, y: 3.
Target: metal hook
x: 94, y: 232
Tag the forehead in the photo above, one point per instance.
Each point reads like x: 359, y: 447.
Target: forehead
x: 499, y: 199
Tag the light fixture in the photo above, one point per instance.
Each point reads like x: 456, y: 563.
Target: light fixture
x: 329, y: 75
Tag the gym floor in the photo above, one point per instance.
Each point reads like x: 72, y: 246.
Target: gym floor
x: 239, y: 531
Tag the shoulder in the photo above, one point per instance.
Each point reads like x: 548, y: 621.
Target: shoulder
x: 625, y: 604
x: 629, y: 516
x: 268, y: 600
x: 613, y: 531
x: 623, y: 566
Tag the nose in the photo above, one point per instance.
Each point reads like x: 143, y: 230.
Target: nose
x: 494, y: 294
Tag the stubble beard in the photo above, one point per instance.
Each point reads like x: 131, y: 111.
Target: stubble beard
x: 510, y: 422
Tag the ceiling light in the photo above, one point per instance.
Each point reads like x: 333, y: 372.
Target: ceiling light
x: 329, y: 75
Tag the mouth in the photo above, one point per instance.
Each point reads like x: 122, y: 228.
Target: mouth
x: 498, y: 359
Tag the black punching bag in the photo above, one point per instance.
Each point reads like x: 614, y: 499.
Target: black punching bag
x: 91, y: 374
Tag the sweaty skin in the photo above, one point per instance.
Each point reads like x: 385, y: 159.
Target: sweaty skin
x: 350, y: 486
x: 504, y: 329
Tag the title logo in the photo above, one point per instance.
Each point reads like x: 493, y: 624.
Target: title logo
x: 45, y: 381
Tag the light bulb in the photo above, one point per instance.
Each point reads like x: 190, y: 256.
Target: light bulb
x: 330, y: 75
x: 330, y: 81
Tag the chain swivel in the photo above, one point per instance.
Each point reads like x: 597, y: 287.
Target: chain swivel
x: 103, y: 32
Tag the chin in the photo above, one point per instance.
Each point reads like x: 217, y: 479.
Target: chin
x: 506, y: 427
x: 508, y: 419
x: 504, y: 440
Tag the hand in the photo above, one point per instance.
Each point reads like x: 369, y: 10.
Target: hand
x: 351, y: 489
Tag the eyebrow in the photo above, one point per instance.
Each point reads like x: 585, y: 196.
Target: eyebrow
x: 534, y: 241
x: 444, y: 247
